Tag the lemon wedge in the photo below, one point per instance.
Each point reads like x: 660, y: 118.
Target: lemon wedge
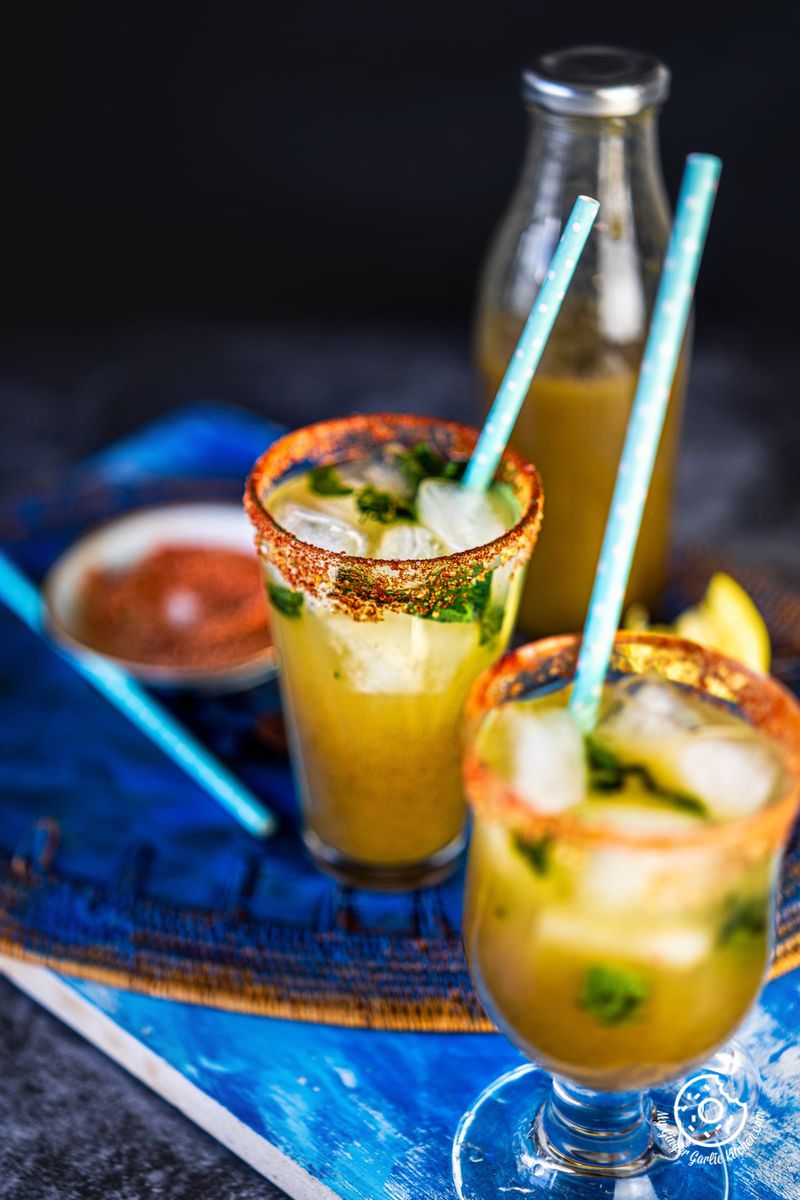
x: 726, y: 619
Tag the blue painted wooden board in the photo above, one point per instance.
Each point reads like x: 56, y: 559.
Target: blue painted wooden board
x: 364, y: 1113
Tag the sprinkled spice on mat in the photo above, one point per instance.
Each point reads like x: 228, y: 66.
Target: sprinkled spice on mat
x: 179, y: 606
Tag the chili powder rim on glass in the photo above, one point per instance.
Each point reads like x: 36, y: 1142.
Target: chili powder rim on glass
x: 763, y: 702
x: 367, y: 587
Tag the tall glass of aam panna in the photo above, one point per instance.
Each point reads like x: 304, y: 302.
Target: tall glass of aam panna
x: 392, y: 587
x: 619, y: 907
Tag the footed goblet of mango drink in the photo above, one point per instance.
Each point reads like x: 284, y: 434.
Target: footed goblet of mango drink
x: 392, y: 587
x: 618, y: 911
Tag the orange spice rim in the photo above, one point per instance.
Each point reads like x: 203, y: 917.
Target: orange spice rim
x: 761, y: 700
x: 366, y: 586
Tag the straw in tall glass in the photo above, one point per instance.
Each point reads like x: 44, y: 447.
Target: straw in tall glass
x: 526, y: 1134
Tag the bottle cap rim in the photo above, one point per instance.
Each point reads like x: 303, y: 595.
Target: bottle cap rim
x: 596, y: 81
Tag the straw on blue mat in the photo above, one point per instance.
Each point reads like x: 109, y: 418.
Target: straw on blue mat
x: 24, y: 599
x: 659, y: 364
x: 530, y: 347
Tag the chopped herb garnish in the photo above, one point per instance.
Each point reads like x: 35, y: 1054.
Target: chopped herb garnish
x: 478, y: 594
x: 325, y: 481
x: 492, y: 623
x: 536, y: 853
x: 614, y: 995
x: 452, y: 615
x: 746, y: 917
x: 469, y: 604
x: 678, y: 799
x: 286, y: 601
x: 608, y: 774
x: 606, y: 779
x: 605, y: 772
x: 423, y: 462
x: 599, y: 756
x: 454, y: 469
x: 381, y: 506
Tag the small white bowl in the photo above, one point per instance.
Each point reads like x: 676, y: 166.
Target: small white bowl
x: 125, y: 540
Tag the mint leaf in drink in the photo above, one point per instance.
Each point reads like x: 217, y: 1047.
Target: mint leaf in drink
x: 478, y: 594
x: 452, y: 615
x: 325, y: 481
x: 680, y: 800
x: 491, y: 623
x: 469, y: 603
x: 454, y: 469
x: 285, y: 601
x: 664, y: 795
x: 424, y: 462
x: 381, y: 506
x: 608, y: 774
x: 598, y: 756
x: 614, y: 995
x: 606, y: 780
x: 536, y: 853
x: 746, y: 917
x: 421, y: 462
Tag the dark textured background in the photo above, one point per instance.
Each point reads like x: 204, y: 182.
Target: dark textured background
x: 267, y: 158
x: 285, y: 207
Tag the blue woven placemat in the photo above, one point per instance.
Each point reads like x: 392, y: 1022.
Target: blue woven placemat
x: 150, y: 885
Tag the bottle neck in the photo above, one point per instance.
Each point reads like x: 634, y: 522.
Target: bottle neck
x: 616, y: 160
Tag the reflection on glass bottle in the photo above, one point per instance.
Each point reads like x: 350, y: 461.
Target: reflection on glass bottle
x: 593, y: 130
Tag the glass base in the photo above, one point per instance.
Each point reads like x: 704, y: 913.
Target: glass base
x: 531, y: 1136
x: 389, y: 877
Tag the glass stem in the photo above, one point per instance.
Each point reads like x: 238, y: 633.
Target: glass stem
x: 596, y: 1132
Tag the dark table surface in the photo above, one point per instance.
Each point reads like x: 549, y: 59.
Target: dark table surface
x: 72, y: 1124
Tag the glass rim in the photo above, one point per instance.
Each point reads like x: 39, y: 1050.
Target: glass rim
x: 764, y: 702
x: 362, y: 585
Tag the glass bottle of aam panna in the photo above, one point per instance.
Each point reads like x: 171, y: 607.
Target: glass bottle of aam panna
x: 593, y: 113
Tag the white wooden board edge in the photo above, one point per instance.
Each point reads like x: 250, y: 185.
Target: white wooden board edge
x: 49, y: 990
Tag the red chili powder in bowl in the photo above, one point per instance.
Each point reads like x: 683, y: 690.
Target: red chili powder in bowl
x: 178, y: 606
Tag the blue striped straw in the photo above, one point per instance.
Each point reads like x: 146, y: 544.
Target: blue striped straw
x: 659, y: 364
x: 525, y: 359
x: 24, y: 599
